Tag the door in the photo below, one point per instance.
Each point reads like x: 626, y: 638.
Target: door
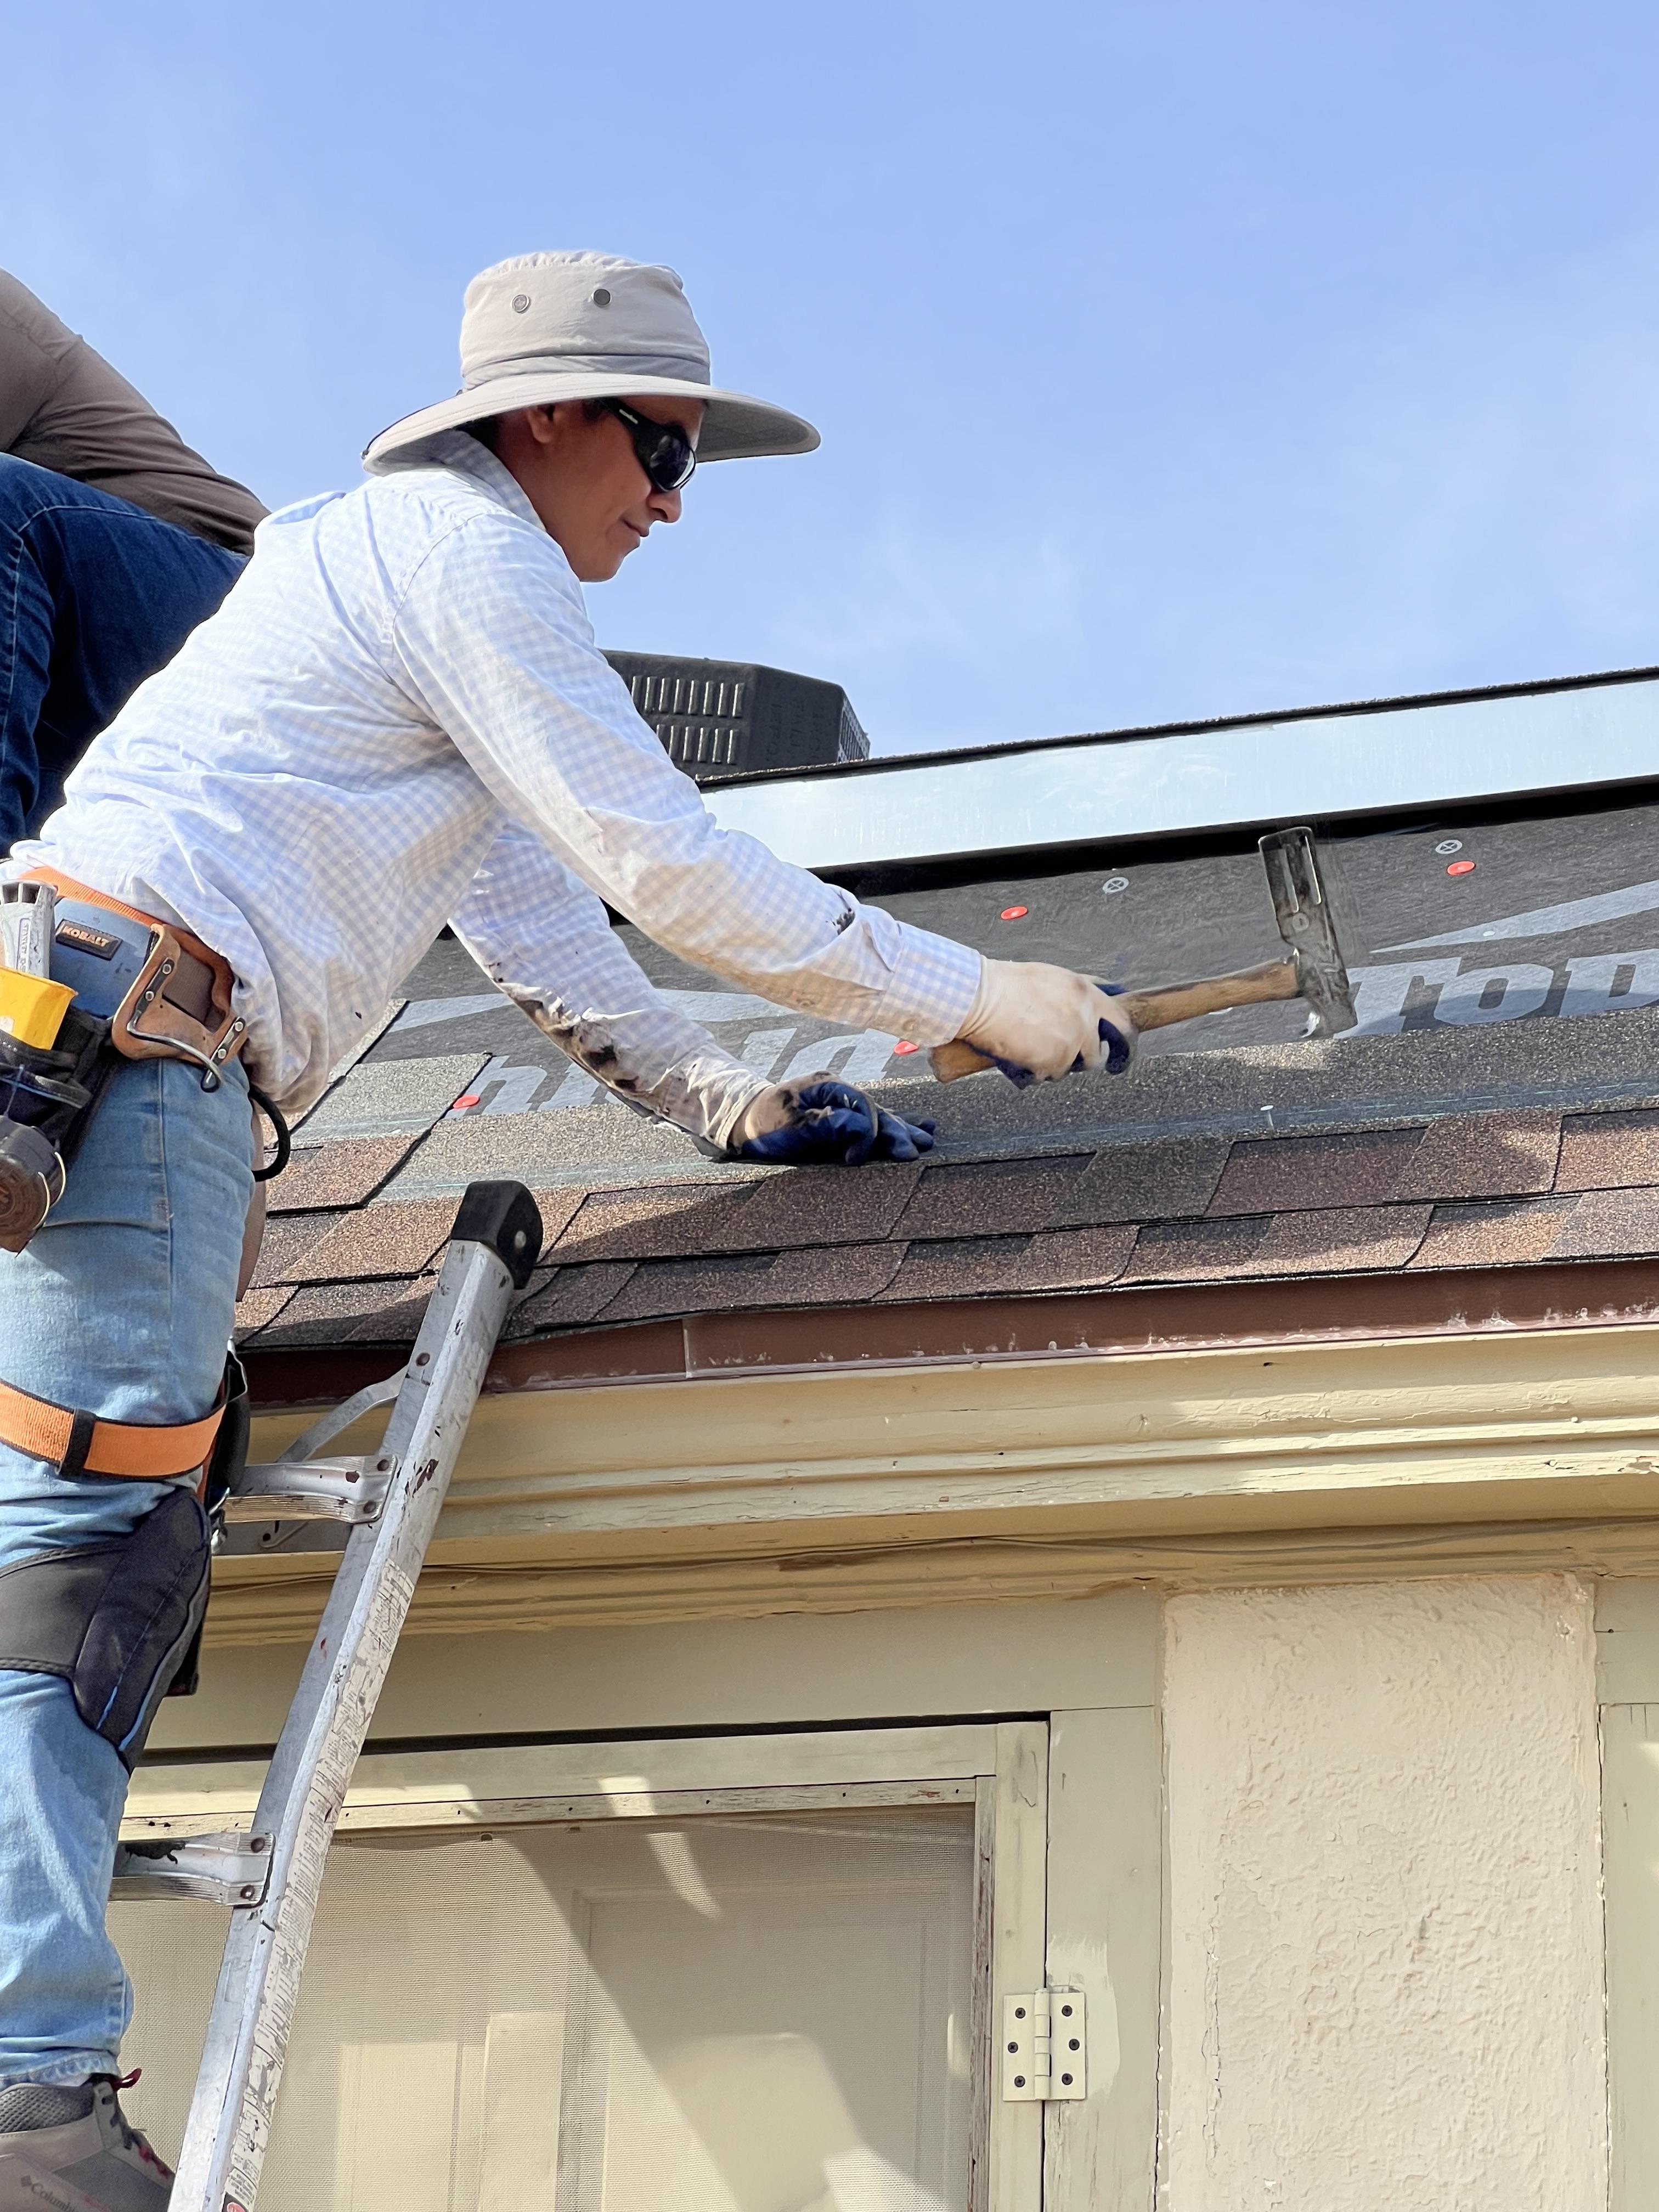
x: 692, y: 1989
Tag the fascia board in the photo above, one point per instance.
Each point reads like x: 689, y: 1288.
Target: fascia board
x: 734, y: 1496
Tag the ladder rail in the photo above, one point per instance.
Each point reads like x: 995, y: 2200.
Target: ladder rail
x: 253, y: 2011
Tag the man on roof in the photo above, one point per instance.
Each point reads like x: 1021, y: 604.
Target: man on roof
x: 399, y: 717
x: 116, y: 539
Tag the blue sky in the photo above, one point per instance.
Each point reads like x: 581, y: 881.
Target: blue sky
x: 1171, y: 359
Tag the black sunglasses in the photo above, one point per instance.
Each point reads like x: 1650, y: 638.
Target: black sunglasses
x: 665, y: 453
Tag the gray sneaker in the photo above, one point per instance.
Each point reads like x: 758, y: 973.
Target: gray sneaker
x: 73, y: 2150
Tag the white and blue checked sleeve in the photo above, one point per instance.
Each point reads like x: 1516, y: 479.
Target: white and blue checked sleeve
x: 493, y: 641
x: 546, y: 940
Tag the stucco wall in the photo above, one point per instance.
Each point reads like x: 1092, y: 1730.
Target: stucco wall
x: 1385, y: 1965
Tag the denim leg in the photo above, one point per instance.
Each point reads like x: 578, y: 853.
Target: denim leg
x: 123, y: 1303
x: 94, y: 596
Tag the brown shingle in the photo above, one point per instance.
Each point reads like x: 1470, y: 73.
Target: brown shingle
x: 1161, y: 1181
x: 1348, y: 1240
x: 378, y: 1240
x: 336, y: 1175
x: 837, y: 1275
x: 792, y: 1206
x: 990, y: 1198
x: 1609, y: 1224
x: 710, y: 1284
x: 1484, y: 1156
x: 333, y: 1313
x: 287, y: 1240
x: 255, y: 1308
x: 1498, y: 1234
x: 1338, y: 1240
x: 1609, y: 1152
x: 1012, y: 1266
x: 397, y: 1319
x: 658, y: 1221
x: 957, y: 1268
x: 832, y: 1275
x: 1077, y: 1259
x: 568, y: 1297
x: 1195, y: 1251
x: 1271, y: 1174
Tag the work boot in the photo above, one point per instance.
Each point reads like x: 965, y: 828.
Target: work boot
x: 73, y: 2150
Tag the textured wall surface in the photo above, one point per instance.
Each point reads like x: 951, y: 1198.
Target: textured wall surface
x: 1386, y: 1978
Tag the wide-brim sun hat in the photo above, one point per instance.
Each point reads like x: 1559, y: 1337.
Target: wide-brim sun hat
x: 545, y: 327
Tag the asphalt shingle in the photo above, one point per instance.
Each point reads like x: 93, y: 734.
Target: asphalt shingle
x: 660, y: 1221
x: 345, y: 1174
x: 1012, y: 1266
x: 340, y: 1313
x: 1483, y: 1155
x: 990, y: 1198
x: 1609, y: 1224
x: 568, y: 1297
x: 1166, y: 1181
x: 1208, y: 1251
x: 712, y: 1284
x: 1345, y: 1240
x: 377, y: 1241
x: 1493, y: 1234
x: 790, y: 1208
x: 1265, y: 1175
x: 1609, y: 1152
x: 288, y: 1238
x: 254, y: 1309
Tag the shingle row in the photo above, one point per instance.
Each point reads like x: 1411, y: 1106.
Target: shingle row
x: 1495, y: 1189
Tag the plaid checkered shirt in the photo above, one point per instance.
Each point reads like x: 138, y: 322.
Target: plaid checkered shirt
x: 399, y: 716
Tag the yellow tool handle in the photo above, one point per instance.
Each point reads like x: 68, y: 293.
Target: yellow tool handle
x: 1157, y: 1009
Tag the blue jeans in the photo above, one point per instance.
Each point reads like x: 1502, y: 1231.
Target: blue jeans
x: 94, y: 596
x: 123, y: 1303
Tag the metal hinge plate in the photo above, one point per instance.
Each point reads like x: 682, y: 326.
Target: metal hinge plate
x: 230, y: 1868
x: 1045, y: 2047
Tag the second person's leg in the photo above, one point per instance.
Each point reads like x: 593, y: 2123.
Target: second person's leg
x: 95, y: 595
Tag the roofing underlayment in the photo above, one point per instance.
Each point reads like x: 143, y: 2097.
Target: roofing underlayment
x: 1499, y: 1106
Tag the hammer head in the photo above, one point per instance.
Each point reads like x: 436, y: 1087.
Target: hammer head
x: 1303, y: 916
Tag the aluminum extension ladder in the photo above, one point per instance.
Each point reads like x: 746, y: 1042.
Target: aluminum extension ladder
x: 270, y: 1876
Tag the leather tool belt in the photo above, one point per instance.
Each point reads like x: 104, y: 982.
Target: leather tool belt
x: 177, y: 1007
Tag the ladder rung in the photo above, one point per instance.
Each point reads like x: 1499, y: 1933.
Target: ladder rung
x: 228, y: 1868
x: 311, y: 1489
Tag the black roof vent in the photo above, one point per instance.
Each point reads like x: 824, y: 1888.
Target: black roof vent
x: 720, y: 718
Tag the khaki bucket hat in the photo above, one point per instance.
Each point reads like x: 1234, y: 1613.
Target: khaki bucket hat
x: 545, y: 327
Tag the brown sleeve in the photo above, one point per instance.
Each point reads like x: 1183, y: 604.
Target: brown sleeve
x: 31, y: 358
x: 63, y: 407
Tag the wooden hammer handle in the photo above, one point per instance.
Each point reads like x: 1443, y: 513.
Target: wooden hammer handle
x: 1157, y: 1009
x: 1181, y: 1002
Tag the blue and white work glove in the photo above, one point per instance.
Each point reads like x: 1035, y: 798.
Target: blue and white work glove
x: 819, y: 1121
x: 1037, y: 1023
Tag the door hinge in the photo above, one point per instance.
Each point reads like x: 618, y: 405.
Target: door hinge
x: 1045, y: 2048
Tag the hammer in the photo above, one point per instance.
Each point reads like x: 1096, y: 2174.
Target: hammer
x: 1315, y: 971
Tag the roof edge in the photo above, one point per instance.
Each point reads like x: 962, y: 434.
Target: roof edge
x: 880, y: 763
x: 1054, y: 1326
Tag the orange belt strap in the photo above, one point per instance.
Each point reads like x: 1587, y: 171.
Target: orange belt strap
x: 80, y: 1444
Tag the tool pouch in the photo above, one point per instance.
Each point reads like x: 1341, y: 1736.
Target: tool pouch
x: 166, y: 995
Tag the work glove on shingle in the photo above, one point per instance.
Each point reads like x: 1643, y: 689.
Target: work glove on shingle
x: 820, y: 1121
x: 1038, y: 1022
